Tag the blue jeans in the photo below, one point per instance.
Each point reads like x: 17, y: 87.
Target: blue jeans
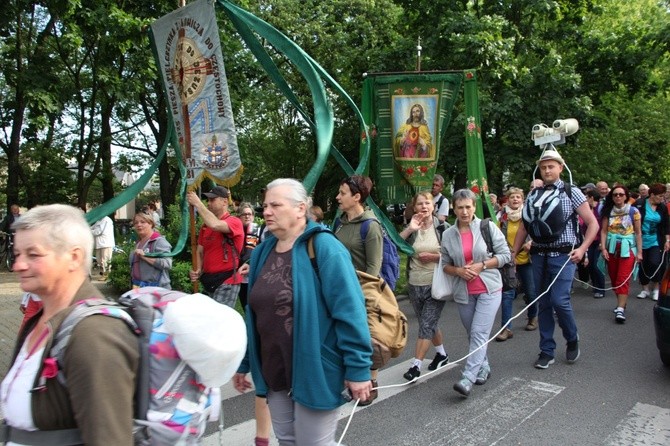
x: 506, y: 307
x: 597, y: 276
x: 525, y: 274
x: 557, y: 299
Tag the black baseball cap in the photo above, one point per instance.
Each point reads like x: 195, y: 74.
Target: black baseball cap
x: 218, y: 191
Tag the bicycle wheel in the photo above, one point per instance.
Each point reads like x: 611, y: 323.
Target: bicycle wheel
x: 9, y: 255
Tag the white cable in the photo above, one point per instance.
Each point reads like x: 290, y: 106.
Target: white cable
x: 657, y: 269
x: 458, y: 360
x: 346, y: 427
x: 627, y: 278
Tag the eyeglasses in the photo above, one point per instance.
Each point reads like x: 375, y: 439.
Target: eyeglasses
x: 246, y: 214
x: 619, y: 194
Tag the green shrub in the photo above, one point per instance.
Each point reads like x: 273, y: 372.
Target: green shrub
x: 119, y: 277
x: 179, y: 277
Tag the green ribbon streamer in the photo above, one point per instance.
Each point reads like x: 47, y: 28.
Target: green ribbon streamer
x: 323, y: 112
x: 136, y: 188
x: 476, y: 169
x: 132, y: 191
x: 323, y: 123
x: 244, y: 22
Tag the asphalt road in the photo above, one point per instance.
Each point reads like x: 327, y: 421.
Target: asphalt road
x: 617, y: 393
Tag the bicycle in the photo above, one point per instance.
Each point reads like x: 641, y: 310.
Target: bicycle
x: 7, y: 250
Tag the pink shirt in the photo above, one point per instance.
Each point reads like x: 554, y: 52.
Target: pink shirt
x: 475, y: 286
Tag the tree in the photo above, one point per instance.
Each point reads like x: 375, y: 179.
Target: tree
x: 25, y: 78
x: 78, y: 78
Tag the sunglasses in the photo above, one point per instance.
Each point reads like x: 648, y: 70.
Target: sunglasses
x: 353, y: 186
x: 619, y: 194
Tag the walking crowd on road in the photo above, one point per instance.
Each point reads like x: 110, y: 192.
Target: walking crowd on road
x: 310, y: 347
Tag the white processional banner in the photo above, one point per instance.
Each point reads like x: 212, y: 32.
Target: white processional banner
x: 191, y: 65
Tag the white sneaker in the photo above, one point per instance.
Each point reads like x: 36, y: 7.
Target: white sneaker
x: 643, y: 294
x: 654, y: 294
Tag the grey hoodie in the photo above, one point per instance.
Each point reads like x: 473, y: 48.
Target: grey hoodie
x: 452, y: 254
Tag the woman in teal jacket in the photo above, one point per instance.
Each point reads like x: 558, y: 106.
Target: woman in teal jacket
x: 306, y: 321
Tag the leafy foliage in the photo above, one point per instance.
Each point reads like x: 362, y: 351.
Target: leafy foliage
x: 78, y: 78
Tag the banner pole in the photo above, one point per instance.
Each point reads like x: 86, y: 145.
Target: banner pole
x: 194, y: 244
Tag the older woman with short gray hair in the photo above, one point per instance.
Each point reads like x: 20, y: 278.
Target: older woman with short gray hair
x: 476, y: 282
x: 306, y: 322
x: 53, y: 248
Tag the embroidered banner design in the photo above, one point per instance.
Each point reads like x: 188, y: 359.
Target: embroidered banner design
x: 191, y: 65
x: 409, y: 113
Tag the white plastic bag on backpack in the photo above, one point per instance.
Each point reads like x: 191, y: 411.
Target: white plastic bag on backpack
x: 209, y: 336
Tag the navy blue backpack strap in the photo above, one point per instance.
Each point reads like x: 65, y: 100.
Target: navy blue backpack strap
x: 365, y: 228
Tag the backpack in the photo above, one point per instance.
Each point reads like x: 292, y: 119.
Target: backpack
x: 508, y: 270
x: 181, y: 365
x: 390, y: 270
x: 388, y: 325
x: 439, y: 203
x: 543, y: 214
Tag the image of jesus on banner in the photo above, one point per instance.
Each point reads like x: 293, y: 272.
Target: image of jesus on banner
x: 413, y: 138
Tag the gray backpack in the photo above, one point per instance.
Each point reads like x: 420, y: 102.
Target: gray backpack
x: 171, y: 406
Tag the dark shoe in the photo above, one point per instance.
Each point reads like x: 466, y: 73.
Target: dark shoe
x: 505, y: 335
x: 544, y: 361
x: 464, y: 387
x: 483, y: 375
x: 619, y: 316
x: 572, y: 352
x: 438, y: 361
x: 532, y: 324
x: 373, y: 395
x: 412, y: 373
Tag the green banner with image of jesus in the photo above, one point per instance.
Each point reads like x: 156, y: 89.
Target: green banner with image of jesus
x: 408, y: 114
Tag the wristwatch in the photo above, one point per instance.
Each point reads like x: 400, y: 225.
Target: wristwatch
x: 483, y: 266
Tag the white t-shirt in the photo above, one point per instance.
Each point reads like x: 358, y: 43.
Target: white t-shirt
x: 103, y: 231
x: 444, y: 206
x: 15, y: 390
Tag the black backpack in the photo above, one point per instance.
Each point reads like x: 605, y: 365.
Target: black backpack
x: 543, y: 214
x: 507, y: 271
